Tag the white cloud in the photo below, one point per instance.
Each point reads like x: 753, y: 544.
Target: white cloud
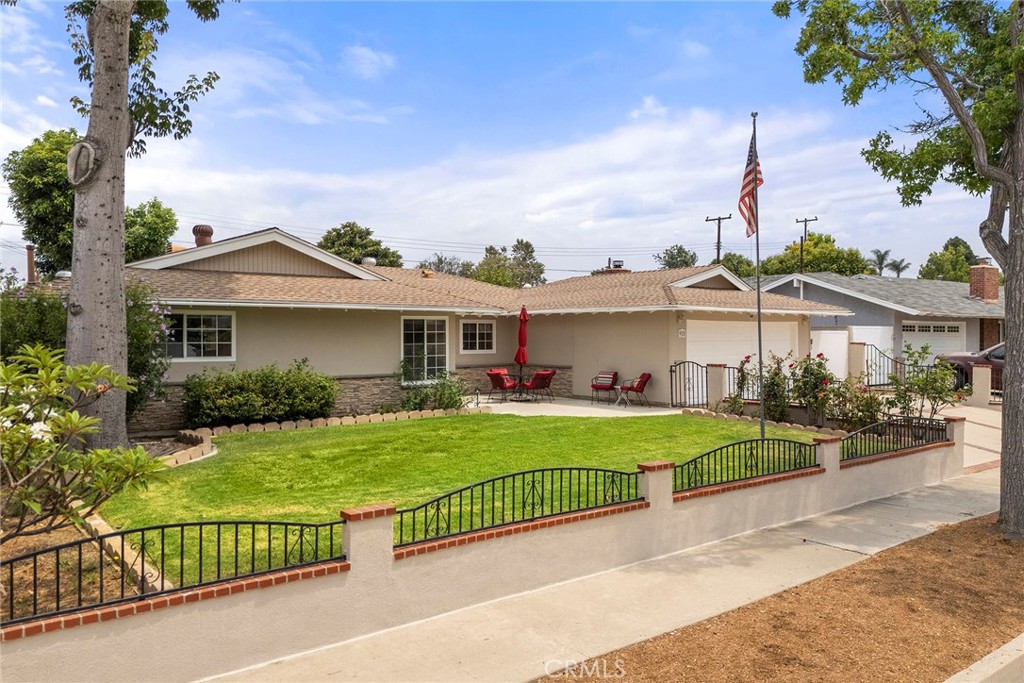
x: 366, y: 63
x: 622, y: 193
x: 44, y: 101
x: 651, y: 108
x: 691, y: 49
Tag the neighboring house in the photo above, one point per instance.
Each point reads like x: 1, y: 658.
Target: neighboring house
x: 889, y: 312
x: 270, y: 297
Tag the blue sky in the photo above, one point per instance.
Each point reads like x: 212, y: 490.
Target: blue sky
x: 595, y: 131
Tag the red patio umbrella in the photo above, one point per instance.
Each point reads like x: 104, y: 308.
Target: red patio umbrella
x: 521, y: 358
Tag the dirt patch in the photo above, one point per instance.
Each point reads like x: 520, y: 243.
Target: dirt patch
x: 50, y: 582
x: 921, y: 611
x: 159, y: 448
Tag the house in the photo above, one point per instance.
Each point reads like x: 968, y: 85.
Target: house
x: 889, y: 312
x: 270, y: 297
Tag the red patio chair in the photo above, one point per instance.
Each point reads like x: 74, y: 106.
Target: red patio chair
x: 636, y: 386
x: 540, y: 383
x: 500, y: 382
x: 603, y: 381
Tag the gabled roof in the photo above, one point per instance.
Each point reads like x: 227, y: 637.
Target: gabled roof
x: 247, y: 290
x: 660, y: 290
x: 254, y: 239
x: 912, y: 296
x: 705, y: 288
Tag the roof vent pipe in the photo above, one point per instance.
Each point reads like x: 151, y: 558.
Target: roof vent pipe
x: 368, y: 261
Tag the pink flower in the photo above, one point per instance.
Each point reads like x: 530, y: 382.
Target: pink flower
x: 825, y: 382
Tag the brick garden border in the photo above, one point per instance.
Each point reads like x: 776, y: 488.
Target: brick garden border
x: 202, y: 444
x: 768, y: 423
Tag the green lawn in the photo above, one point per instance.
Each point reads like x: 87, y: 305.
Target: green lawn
x: 308, y: 476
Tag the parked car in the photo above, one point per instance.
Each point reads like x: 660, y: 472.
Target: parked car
x: 964, y: 362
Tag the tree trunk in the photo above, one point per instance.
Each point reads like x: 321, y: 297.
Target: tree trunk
x: 97, y: 329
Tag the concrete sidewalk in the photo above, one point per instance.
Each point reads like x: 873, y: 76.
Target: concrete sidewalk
x: 525, y: 636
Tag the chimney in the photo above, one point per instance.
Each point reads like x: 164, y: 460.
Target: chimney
x: 204, y: 235
x: 30, y: 254
x: 984, y: 281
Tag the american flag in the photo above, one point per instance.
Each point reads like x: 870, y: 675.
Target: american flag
x: 752, y: 179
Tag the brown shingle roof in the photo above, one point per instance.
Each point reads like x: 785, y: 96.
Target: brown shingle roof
x: 180, y: 286
x: 408, y: 288
x: 652, y: 290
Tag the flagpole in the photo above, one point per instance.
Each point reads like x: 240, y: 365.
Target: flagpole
x: 757, y: 273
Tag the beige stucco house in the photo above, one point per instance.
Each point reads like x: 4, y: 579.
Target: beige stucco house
x: 271, y: 297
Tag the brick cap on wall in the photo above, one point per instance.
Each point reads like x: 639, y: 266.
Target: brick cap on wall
x: 955, y: 419
x: 368, y: 512
x: 827, y: 439
x: 655, y: 465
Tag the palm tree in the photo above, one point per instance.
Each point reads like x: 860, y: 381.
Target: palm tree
x: 898, y: 267
x: 879, y: 260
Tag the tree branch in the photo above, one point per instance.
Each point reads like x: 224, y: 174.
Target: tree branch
x: 978, y: 148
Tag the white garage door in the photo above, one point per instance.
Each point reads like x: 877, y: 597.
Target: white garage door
x: 942, y: 337
x: 710, y: 341
x: 835, y: 344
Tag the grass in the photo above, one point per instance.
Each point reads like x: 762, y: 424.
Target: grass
x: 309, y: 476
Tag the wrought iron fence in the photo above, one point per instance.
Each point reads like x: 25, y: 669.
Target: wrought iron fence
x: 892, y: 435
x: 689, y: 384
x: 743, y: 460
x: 128, y: 565
x: 517, y: 497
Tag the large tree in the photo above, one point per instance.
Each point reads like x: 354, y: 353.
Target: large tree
x: 353, y: 242
x: 676, y: 256
x: 965, y: 59
x: 516, y: 268
x: 879, y: 260
x: 951, y: 264
x: 453, y: 265
x: 115, y: 44
x: 739, y: 264
x: 42, y: 197
x: 43, y: 200
x: 821, y: 254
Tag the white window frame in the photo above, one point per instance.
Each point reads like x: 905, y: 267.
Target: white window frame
x: 207, y: 359
x: 401, y: 346
x: 462, y: 336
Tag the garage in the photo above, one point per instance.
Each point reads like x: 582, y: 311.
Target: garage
x: 942, y: 336
x: 717, y: 341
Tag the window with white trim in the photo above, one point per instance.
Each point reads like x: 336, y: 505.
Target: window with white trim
x: 201, y: 335
x: 477, y: 336
x: 424, y: 348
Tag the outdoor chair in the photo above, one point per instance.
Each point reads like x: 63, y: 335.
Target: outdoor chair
x: 637, y: 387
x: 539, y: 384
x: 501, y: 383
x: 603, y: 381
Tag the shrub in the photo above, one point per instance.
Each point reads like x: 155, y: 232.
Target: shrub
x: 49, y: 480
x: 812, y: 386
x: 776, y: 389
x: 266, y: 394
x: 923, y: 387
x: 853, y: 405
x: 446, y: 392
x: 38, y: 315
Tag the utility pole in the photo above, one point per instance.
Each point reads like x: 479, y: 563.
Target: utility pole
x: 718, y: 242
x: 805, y: 221
x: 803, y: 240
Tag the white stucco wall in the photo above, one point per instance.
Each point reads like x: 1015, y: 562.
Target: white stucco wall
x: 221, y: 634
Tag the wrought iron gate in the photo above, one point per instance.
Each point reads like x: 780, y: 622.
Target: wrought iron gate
x: 689, y: 384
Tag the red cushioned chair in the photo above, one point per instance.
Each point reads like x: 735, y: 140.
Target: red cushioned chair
x: 603, y: 381
x: 539, y: 384
x: 500, y: 382
x: 637, y: 387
